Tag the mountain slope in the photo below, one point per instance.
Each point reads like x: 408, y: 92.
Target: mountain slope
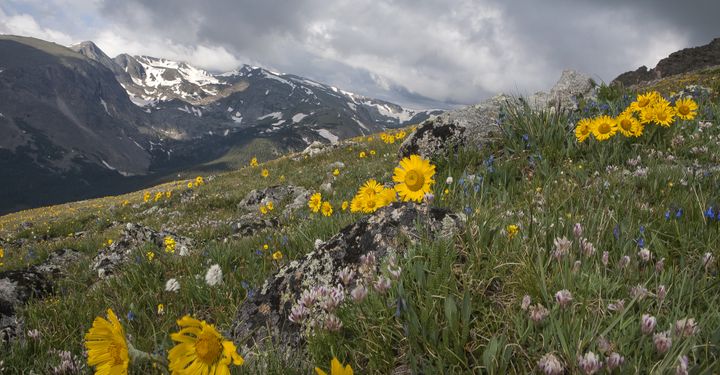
x: 63, y: 115
x: 683, y: 61
x: 77, y: 123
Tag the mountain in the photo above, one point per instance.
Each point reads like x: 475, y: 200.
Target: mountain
x: 683, y: 61
x: 77, y: 123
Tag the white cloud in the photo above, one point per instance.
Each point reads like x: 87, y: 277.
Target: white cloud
x: 26, y: 25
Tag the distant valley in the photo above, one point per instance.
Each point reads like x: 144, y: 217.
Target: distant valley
x: 77, y: 123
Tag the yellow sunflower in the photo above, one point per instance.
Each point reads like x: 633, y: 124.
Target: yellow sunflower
x: 686, y: 108
x: 626, y: 123
x: 326, y: 209
x: 106, y: 346
x: 583, y: 129
x: 370, y: 198
x: 644, y: 101
x: 265, y: 173
x: 637, y: 128
x: 413, y: 178
x: 315, y: 202
x: 604, y: 127
x: 336, y: 368
x: 388, y: 195
x: 200, y: 349
x: 663, y: 114
x: 253, y: 162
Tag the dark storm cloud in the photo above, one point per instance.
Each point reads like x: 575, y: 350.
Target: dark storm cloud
x: 425, y: 53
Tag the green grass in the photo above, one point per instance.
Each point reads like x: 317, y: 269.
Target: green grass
x: 456, y: 307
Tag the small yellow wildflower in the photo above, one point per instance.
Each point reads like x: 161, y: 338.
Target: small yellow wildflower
x: 686, y: 108
x: 446, y: 191
x: 583, y: 129
x: 106, y: 346
x: 201, y: 349
x: 169, y: 244
x: 512, y: 230
x: 413, y: 178
x: 369, y: 139
x: 336, y: 368
x: 146, y: 196
x: 266, y: 246
x: 372, y: 152
x: 277, y: 255
x: 362, y: 155
x: 253, y: 162
x: 199, y: 181
x: 315, y: 202
x: 265, y: 173
x: 263, y: 210
x: 270, y: 206
x: 190, y: 185
x: 125, y: 202
x: 326, y: 209
x: 150, y: 256
x: 109, y: 242
x: 336, y: 172
x: 158, y: 196
x: 160, y: 309
x: 344, y: 205
x: 168, y: 194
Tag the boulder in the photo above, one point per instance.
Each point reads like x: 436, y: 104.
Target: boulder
x: 473, y: 125
x: 17, y: 287
x: 476, y: 125
x: 249, y: 226
x: 263, y: 319
x: 112, y: 257
x: 571, y: 87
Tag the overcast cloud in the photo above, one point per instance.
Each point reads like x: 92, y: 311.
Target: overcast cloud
x: 419, y: 53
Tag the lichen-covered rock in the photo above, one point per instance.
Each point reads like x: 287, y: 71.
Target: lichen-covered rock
x: 250, y: 226
x: 17, y: 287
x: 571, y: 87
x: 476, y: 125
x: 264, y: 315
x: 110, y: 258
x: 473, y: 125
x: 296, y: 196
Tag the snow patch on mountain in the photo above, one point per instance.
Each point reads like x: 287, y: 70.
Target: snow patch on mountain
x: 275, y: 115
x: 298, y: 117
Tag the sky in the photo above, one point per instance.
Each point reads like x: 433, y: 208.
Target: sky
x: 417, y: 53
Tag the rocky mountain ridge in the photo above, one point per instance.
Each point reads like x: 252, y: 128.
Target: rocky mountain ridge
x: 683, y: 61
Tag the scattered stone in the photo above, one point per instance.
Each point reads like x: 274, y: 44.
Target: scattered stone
x: 264, y: 315
x: 17, y: 287
x: 110, y: 258
x: 326, y: 187
x: 315, y: 148
x: 296, y: 195
x: 250, y: 226
x: 337, y: 164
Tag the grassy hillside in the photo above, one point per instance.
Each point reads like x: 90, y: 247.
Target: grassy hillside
x: 636, y: 211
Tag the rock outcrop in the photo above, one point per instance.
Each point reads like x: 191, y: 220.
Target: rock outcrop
x: 19, y: 286
x: 294, y: 196
x: 478, y: 124
x: 265, y: 314
x: 112, y: 257
x: 683, y: 61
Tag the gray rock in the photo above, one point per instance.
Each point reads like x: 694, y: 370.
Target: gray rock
x: 112, y: 257
x: 477, y: 125
x: 250, y: 226
x: 571, y: 87
x: 315, y: 148
x: 297, y: 196
x: 473, y: 125
x: 17, y: 287
x: 263, y: 318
